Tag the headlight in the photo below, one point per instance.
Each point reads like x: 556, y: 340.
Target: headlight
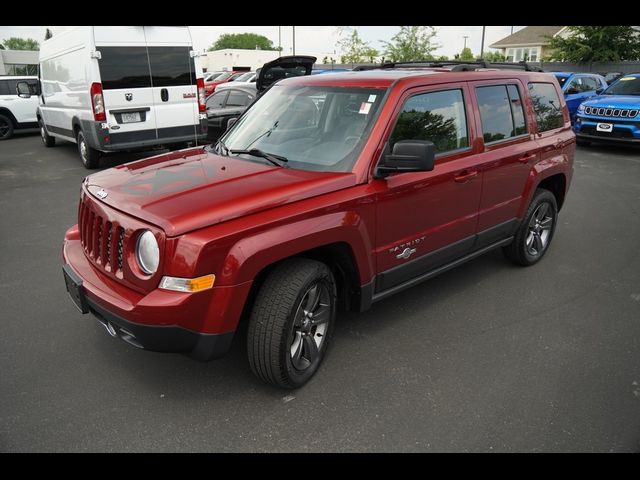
x: 147, y: 252
x: 581, y: 108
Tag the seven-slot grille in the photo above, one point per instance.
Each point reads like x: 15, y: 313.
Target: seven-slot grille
x: 102, y: 240
x: 612, y: 112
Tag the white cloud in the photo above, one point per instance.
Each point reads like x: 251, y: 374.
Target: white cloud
x: 314, y: 39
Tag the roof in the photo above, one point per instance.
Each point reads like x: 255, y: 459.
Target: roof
x: 383, y: 78
x: 536, y: 35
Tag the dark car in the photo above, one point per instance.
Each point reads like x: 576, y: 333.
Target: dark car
x: 226, y: 104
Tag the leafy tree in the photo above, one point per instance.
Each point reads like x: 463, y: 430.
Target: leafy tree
x: 493, y: 57
x: 1, y: 47
x: 354, y: 48
x: 442, y: 58
x: 596, y: 44
x: 245, y: 41
x: 466, y: 54
x: 411, y: 43
x: 48, y: 34
x: 15, y: 43
x: 371, y: 54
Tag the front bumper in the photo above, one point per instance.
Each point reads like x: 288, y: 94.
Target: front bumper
x: 200, y: 324
x: 623, y: 131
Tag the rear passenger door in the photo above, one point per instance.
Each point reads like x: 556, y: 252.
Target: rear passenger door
x: 508, y: 153
x: 427, y: 219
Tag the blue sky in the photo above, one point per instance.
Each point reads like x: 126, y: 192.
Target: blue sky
x: 315, y: 39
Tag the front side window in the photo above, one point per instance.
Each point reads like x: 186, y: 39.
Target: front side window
x: 546, y: 105
x: 435, y: 116
x: 238, y: 99
x: 316, y: 128
x: 216, y: 100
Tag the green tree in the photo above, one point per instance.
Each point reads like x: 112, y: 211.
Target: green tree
x: 442, y: 58
x: 371, y: 54
x: 355, y: 49
x: 591, y: 43
x: 245, y: 41
x: 492, y: 57
x: 466, y: 54
x: 15, y: 43
x: 411, y: 43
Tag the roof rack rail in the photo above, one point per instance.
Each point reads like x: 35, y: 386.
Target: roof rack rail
x: 458, y: 65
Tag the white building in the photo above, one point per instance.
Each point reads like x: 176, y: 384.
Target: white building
x: 19, y: 62
x: 232, y: 58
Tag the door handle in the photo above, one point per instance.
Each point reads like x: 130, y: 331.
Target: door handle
x: 526, y: 158
x: 164, y: 95
x: 465, y: 176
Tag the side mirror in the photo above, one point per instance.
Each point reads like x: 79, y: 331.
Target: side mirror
x: 408, y: 156
x: 231, y: 122
x: 571, y: 91
x: 23, y: 90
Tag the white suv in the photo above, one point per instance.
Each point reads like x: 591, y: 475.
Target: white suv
x: 16, y: 111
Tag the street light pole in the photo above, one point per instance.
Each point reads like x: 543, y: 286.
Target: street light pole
x: 279, y: 41
x: 465, y: 41
x: 294, y: 40
x: 482, y: 44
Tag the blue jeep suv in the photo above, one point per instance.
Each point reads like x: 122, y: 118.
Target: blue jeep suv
x: 578, y: 87
x: 613, y: 116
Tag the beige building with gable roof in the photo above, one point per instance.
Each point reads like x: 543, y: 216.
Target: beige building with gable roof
x: 530, y: 43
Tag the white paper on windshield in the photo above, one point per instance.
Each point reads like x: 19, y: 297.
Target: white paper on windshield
x: 372, y: 98
x: 364, y: 108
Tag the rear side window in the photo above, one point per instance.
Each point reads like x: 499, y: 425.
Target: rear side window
x: 238, y: 99
x: 546, y: 104
x: 500, y: 112
x: 435, y: 116
x: 171, y: 66
x: 4, y: 88
x: 124, y: 67
x: 216, y: 100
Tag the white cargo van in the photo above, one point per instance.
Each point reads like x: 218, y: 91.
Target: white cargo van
x: 115, y: 88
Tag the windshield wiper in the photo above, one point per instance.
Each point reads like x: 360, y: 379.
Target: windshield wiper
x: 225, y: 149
x: 274, y: 159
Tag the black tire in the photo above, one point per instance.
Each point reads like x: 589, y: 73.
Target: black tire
x: 278, y: 323
x: 582, y: 143
x: 90, y: 157
x: 528, y: 247
x: 46, y: 139
x: 6, y: 127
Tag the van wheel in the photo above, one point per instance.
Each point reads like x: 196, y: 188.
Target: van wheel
x: 46, y: 139
x: 536, y: 230
x: 90, y: 156
x: 6, y: 128
x: 291, y: 322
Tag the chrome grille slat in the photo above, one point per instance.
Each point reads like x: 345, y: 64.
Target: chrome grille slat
x: 108, y: 260
x: 120, y: 246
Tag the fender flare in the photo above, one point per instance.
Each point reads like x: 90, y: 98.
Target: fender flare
x: 541, y: 171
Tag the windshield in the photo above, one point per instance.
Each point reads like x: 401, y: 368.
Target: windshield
x: 624, y: 86
x: 315, y: 128
x: 562, y: 79
x: 244, y: 77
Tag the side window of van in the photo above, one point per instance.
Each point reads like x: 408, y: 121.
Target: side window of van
x: 435, y: 116
x: 546, y: 104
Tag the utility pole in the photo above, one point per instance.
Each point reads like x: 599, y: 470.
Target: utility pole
x: 279, y: 41
x: 294, y: 40
x: 511, y: 30
x: 465, y: 41
x: 482, y: 44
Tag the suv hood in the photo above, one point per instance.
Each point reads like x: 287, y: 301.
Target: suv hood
x: 614, y: 101
x: 183, y: 191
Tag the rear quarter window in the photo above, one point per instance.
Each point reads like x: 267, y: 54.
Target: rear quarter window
x: 546, y: 105
x: 4, y: 87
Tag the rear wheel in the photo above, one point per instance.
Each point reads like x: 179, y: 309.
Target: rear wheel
x: 6, y: 127
x: 90, y: 156
x: 536, y: 230
x: 46, y: 139
x: 291, y: 322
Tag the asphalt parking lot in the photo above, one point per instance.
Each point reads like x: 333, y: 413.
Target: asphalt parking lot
x: 486, y: 357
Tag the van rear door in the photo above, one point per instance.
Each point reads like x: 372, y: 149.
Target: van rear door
x: 173, y: 76
x: 126, y: 83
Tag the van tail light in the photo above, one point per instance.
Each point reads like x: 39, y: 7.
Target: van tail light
x: 202, y: 106
x: 97, y: 102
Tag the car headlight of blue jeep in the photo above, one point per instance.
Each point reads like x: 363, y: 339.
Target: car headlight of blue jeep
x: 581, y: 108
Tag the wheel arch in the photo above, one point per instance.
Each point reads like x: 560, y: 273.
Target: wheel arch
x: 7, y: 113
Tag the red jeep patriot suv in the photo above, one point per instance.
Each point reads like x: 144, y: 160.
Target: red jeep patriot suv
x: 330, y: 192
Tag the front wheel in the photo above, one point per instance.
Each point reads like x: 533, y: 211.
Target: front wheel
x: 291, y: 322
x: 534, y: 235
x: 90, y: 157
x: 6, y: 127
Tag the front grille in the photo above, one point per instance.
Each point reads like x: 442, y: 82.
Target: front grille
x: 102, y: 240
x: 612, y: 112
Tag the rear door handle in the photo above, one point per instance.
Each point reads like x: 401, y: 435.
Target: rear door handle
x: 164, y: 95
x: 465, y: 176
x: 526, y: 158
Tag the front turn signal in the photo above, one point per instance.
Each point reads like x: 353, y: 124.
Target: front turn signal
x: 190, y: 285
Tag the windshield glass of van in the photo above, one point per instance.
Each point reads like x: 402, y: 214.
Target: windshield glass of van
x: 315, y: 128
x: 624, y: 86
